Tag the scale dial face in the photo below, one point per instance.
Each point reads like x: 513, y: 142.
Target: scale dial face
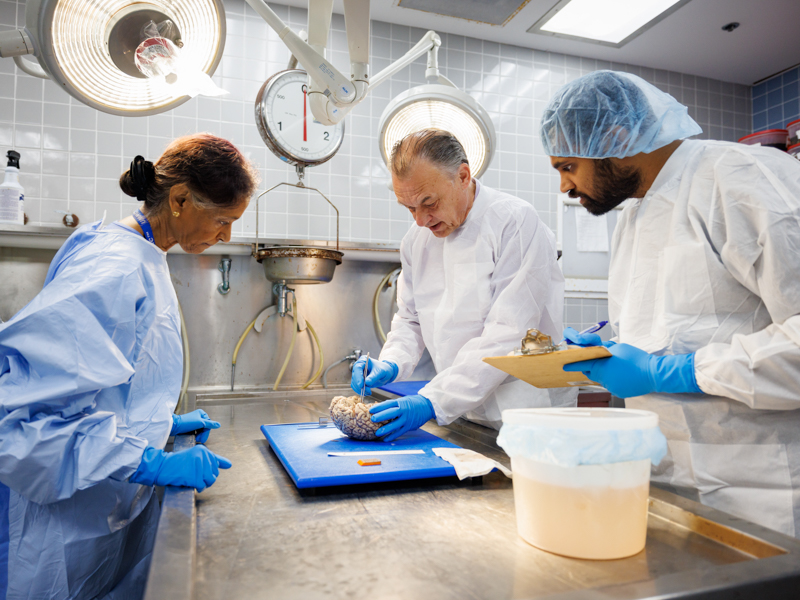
x: 285, y: 122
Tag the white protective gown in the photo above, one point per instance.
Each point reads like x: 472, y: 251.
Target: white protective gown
x: 709, y: 262
x: 90, y: 373
x: 474, y: 294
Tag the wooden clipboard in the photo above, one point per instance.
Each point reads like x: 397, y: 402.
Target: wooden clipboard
x: 547, y: 370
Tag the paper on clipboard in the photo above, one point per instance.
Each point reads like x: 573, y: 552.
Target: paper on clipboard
x: 547, y: 370
x: 592, y: 232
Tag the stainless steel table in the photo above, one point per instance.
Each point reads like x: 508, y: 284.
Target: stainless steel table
x: 257, y: 536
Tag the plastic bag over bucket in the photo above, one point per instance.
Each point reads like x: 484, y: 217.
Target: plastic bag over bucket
x: 568, y: 437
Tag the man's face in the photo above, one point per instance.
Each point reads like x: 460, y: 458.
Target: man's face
x: 601, y: 184
x: 436, y: 198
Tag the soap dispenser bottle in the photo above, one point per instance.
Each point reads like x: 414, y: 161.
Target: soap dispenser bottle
x: 12, y: 195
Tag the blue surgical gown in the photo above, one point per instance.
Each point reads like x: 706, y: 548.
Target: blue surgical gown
x: 90, y: 373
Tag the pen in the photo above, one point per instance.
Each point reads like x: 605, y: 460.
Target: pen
x: 594, y: 328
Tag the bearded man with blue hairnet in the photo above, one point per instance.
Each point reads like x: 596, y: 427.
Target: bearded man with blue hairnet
x: 704, y: 289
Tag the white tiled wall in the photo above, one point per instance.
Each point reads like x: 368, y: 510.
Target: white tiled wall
x: 72, y: 155
x: 581, y: 313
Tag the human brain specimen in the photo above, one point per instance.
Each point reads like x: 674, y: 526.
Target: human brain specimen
x: 352, y: 418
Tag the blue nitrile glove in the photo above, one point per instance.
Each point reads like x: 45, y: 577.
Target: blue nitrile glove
x: 630, y: 372
x: 409, y: 413
x: 380, y: 372
x: 197, y: 419
x: 573, y: 337
x: 196, y: 467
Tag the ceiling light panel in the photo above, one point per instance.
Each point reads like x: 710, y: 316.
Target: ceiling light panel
x: 497, y: 12
x: 607, y: 22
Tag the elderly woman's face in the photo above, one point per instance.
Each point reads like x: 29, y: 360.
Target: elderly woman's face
x: 437, y: 199
x: 198, y: 228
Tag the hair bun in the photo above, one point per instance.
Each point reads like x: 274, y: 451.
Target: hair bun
x: 142, y: 175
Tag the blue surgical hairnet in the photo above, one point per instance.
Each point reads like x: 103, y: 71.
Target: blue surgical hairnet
x: 608, y: 114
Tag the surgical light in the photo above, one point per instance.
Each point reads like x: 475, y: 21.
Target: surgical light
x: 87, y: 47
x: 439, y: 106
x: 607, y: 22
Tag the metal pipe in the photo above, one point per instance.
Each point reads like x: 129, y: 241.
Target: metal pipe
x: 354, y: 356
x: 428, y: 41
x: 30, y: 67
x: 295, y: 325
x: 225, y: 266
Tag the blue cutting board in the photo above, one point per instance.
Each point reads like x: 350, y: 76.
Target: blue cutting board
x: 404, y: 388
x: 304, y: 454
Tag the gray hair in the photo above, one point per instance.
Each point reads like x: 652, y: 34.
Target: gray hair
x: 439, y: 147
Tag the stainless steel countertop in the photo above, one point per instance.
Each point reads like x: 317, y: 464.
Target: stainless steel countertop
x: 259, y: 537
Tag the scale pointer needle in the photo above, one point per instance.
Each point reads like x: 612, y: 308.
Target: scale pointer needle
x: 305, y: 118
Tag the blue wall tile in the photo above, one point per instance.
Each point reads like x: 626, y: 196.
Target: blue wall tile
x: 791, y: 108
x: 759, y: 104
x: 791, y: 90
x: 776, y: 102
x: 775, y: 117
x: 774, y: 84
x: 775, y: 98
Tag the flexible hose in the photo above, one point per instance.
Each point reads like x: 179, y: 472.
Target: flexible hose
x: 289, y: 354
x: 325, y: 374
x: 291, y: 345
x: 375, y: 313
x: 321, y: 357
x: 239, y: 345
x: 187, y: 364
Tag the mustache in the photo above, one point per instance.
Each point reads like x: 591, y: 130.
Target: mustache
x: 575, y: 195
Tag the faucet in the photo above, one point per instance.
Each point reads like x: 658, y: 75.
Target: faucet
x: 353, y: 356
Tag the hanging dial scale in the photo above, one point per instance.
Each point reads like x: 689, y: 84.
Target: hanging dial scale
x: 290, y: 131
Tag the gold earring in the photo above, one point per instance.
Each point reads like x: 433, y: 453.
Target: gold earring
x: 176, y: 213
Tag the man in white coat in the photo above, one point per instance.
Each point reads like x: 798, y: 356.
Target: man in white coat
x: 479, y: 269
x: 704, y: 289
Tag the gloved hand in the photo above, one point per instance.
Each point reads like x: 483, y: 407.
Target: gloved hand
x: 409, y: 413
x: 584, y: 339
x: 630, y: 372
x: 197, y: 467
x: 379, y: 372
x: 197, y: 419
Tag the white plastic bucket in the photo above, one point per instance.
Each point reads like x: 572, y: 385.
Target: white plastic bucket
x: 590, y: 511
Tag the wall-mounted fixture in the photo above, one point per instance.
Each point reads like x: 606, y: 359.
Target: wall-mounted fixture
x: 352, y: 357
x: 225, y: 268
x: 87, y: 47
x: 69, y: 219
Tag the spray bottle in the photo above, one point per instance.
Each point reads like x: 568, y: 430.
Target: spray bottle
x: 12, y: 195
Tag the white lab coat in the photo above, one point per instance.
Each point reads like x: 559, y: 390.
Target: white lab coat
x: 709, y: 261
x: 474, y: 294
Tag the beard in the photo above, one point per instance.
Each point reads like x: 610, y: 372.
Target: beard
x: 613, y: 185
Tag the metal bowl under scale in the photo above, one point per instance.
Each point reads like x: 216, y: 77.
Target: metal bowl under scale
x: 298, y: 265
